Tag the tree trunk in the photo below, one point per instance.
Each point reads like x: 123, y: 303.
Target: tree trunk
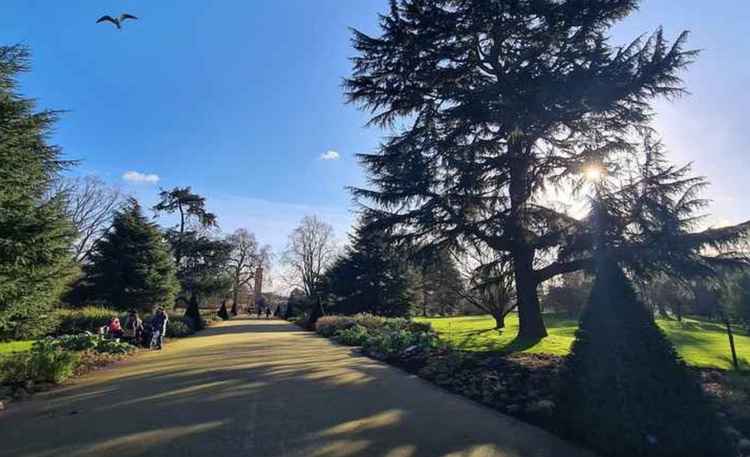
x: 531, y: 325
x: 499, y: 320
x: 735, y: 363
x: 235, y: 299
x: 315, y: 314
x: 223, y: 311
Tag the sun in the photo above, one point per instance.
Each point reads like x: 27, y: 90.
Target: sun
x: 593, y: 173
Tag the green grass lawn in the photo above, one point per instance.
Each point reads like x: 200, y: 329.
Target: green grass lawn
x: 699, y: 343
x: 15, y: 346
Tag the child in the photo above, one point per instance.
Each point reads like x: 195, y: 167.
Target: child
x: 115, y: 329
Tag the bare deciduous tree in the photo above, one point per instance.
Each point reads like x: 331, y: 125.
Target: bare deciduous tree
x: 310, y: 250
x: 490, y: 285
x: 90, y: 205
x: 246, y: 257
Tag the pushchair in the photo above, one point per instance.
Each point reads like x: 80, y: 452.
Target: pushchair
x: 151, y: 338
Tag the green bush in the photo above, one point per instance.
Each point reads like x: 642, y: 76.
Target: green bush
x: 392, y: 343
x: 328, y: 325
x: 110, y: 346
x: 369, y: 321
x: 50, y: 363
x: 82, y: 342
x: 81, y: 320
x: 28, y: 326
x: 419, y: 327
x: 355, y: 335
x: 46, y: 362
x: 624, y: 391
x: 88, y: 342
x: 179, y: 328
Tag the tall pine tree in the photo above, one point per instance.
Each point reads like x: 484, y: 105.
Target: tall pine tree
x: 131, y: 266
x: 496, y: 100
x: 35, y: 236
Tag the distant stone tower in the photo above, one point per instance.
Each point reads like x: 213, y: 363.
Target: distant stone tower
x: 258, y: 292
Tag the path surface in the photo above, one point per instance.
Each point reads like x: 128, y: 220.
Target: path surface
x: 261, y: 388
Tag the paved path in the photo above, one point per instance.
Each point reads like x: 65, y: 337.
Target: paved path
x: 251, y: 388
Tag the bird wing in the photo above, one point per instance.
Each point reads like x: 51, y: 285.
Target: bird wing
x: 127, y: 16
x: 107, y: 19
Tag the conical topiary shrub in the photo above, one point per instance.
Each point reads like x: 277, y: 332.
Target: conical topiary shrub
x: 624, y: 391
x: 223, y: 311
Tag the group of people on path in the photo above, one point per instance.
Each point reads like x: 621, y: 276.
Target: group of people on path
x: 149, y: 335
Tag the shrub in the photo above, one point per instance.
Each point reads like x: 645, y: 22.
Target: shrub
x: 109, y: 346
x: 50, y: 363
x: 46, y: 362
x: 179, y: 328
x: 419, y: 327
x: 624, y: 391
x: 14, y: 368
x: 356, y: 335
x: 369, y: 321
x: 328, y: 325
x: 300, y: 321
x: 81, y: 320
x: 88, y: 342
x: 29, y: 327
x: 82, y: 342
x: 392, y: 343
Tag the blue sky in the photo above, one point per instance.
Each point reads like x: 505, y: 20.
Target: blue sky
x: 239, y: 99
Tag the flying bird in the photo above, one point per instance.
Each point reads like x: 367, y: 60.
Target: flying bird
x: 118, y: 21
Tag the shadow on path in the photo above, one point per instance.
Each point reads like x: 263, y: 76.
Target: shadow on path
x: 261, y: 388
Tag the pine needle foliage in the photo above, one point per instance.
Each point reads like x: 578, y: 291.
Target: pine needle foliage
x: 490, y: 102
x: 131, y: 266
x: 35, y: 236
x: 625, y: 392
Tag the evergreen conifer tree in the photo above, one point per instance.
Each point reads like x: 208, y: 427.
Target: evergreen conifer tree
x: 491, y: 102
x: 625, y: 392
x: 371, y: 277
x: 35, y: 236
x: 131, y: 266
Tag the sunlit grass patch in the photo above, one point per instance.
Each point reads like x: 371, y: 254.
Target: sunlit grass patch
x: 700, y: 343
x: 15, y: 346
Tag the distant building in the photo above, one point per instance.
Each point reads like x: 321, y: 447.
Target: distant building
x: 258, y: 290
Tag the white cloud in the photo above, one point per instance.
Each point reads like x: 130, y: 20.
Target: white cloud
x: 137, y: 177
x: 330, y: 155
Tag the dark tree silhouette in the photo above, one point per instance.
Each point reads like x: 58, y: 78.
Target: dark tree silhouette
x: 190, y: 207
x: 202, y: 271
x: 624, y: 391
x: 495, y: 101
x: 371, y: 276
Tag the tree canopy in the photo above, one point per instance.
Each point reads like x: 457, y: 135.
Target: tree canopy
x: 35, y: 236
x: 371, y: 276
x: 131, y: 266
x: 491, y: 103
